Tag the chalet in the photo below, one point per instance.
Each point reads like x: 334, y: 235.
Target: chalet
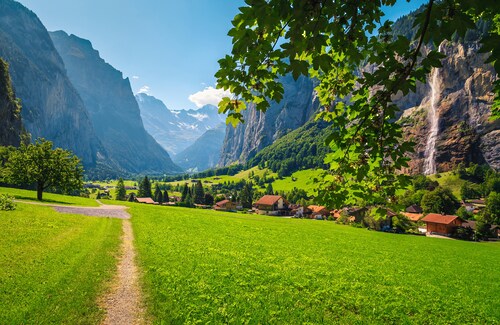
x: 415, y: 217
x: 358, y: 213
x: 145, y: 200
x: 225, y: 205
x: 318, y: 210
x: 494, y: 229
x: 272, y: 205
x: 442, y: 224
x: 414, y: 209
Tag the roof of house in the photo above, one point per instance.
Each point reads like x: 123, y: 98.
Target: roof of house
x: 316, y: 208
x: 440, y: 218
x: 269, y: 199
x: 413, y: 216
x: 479, y: 201
x: 221, y: 203
x: 146, y: 200
x: 414, y: 209
x: 469, y: 223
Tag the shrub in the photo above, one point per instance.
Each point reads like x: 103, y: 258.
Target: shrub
x: 7, y: 202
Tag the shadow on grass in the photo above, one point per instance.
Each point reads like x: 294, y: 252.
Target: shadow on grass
x: 27, y: 198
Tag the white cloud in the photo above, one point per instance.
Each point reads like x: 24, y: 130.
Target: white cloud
x: 135, y: 77
x: 209, y: 95
x: 144, y: 90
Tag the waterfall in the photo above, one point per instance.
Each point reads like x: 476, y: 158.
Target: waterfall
x: 433, y: 117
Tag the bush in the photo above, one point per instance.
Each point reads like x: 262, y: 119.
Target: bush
x: 7, y: 203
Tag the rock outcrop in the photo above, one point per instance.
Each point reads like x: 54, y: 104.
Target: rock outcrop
x: 260, y: 129
x: 11, y: 127
x: 113, y: 109
x: 465, y: 133
x: 52, y: 107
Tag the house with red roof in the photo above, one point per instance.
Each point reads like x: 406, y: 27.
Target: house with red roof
x: 442, y: 224
x: 272, y: 205
x: 145, y: 200
x: 225, y: 205
x: 318, y: 210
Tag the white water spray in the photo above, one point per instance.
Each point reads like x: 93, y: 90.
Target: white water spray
x: 433, y: 117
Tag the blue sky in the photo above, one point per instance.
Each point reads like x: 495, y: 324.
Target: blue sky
x: 167, y: 48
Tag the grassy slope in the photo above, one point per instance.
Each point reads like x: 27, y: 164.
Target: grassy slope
x: 54, y: 266
x: 48, y: 197
x: 208, y: 267
x: 449, y: 180
x: 304, y: 179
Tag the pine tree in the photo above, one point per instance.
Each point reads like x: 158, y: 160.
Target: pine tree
x: 185, y: 192
x: 121, y: 193
x: 158, y: 194
x: 209, y: 199
x: 246, y: 196
x: 269, y: 189
x: 131, y: 197
x: 199, y: 193
x: 189, y: 200
x: 166, y: 199
x: 145, y: 188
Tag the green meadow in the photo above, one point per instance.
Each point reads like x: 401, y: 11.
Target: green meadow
x: 49, y: 198
x: 209, y: 267
x: 53, y: 267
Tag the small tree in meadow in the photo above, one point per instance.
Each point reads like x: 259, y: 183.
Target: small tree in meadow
x: 166, y: 199
x: 158, y: 194
x: 121, y: 192
x: 199, y: 193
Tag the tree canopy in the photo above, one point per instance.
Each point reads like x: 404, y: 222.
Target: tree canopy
x: 332, y: 41
x: 40, y: 164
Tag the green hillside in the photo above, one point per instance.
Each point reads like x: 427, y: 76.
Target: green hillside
x: 210, y: 267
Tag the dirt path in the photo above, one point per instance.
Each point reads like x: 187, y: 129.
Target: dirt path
x: 123, y: 304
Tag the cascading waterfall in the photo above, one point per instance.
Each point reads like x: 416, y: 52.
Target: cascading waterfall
x: 433, y: 117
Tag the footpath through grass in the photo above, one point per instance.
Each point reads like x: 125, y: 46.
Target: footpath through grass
x: 208, y: 267
x: 53, y: 266
x: 49, y: 198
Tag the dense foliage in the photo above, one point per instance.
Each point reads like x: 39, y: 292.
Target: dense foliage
x: 330, y: 41
x: 44, y: 166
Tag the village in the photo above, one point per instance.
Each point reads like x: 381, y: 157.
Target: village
x: 411, y: 220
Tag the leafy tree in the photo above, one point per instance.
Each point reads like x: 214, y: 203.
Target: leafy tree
x: 441, y: 200
x: 492, y: 209
x: 166, y: 199
x: 158, y: 194
x: 331, y: 41
x: 145, y: 188
x: 422, y: 182
x: 199, y: 193
x: 44, y: 166
x: 121, y: 193
x: 464, y: 214
x: 470, y: 190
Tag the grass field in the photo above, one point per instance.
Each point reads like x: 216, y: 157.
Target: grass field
x: 303, y: 179
x: 207, y: 267
x: 48, y: 197
x: 53, y: 266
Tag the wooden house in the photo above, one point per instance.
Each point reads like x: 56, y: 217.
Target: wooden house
x: 145, y: 200
x: 272, y: 205
x: 442, y: 224
x: 414, y: 209
x: 225, y: 205
x: 318, y: 210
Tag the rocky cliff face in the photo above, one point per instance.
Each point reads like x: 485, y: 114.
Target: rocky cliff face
x: 11, y: 127
x: 113, y: 109
x: 51, y: 106
x: 463, y: 90
x: 175, y: 130
x: 262, y: 129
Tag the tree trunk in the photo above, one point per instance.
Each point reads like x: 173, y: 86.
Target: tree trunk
x: 39, y: 191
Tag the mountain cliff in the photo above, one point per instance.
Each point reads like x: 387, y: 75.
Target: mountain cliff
x: 11, y: 127
x: 260, y: 129
x: 204, y: 153
x: 175, y: 130
x: 457, y: 101
x: 112, y: 107
x: 52, y: 107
